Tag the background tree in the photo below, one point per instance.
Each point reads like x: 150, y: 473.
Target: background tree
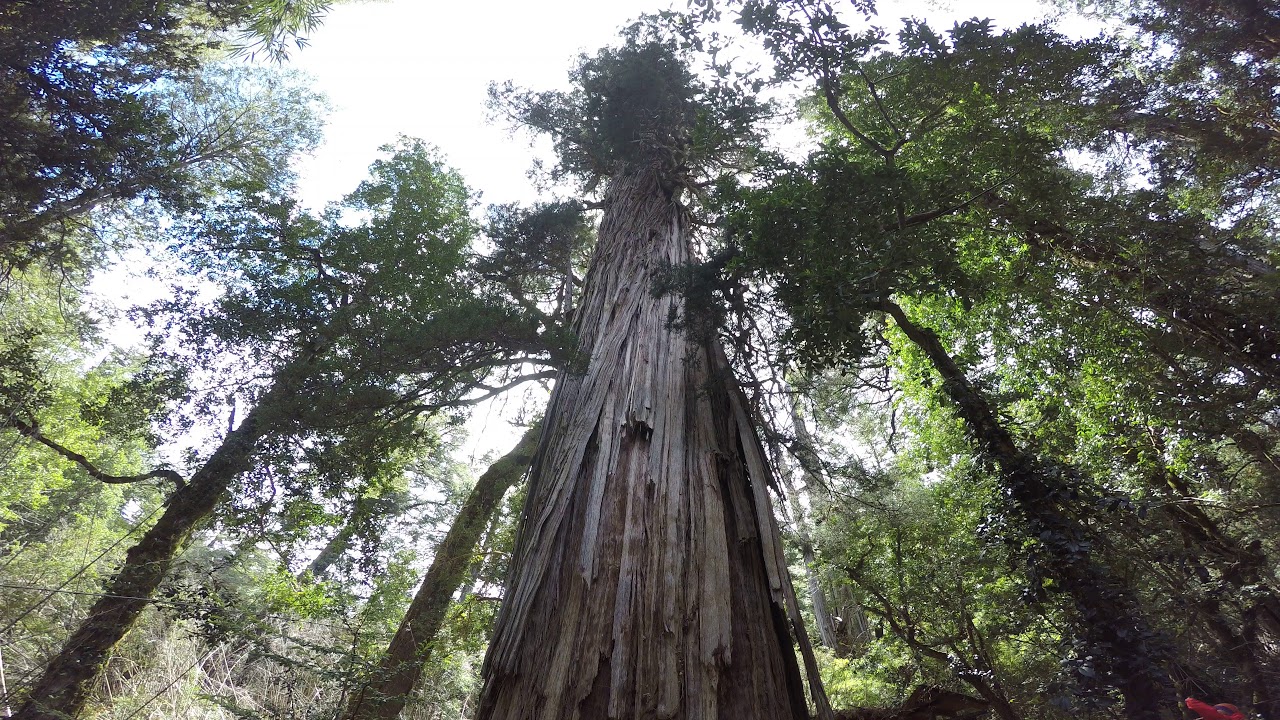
x: 82, y: 113
x: 903, y: 199
x: 368, y: 346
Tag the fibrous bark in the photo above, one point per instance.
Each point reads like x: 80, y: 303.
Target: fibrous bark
x: 649, y: 579
x: 384, y: 693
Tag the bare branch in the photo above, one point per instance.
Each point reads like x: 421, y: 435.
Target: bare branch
x: 924, y: 217
x: 495, y: 391
x: 875, y: 95
x: 33, y: 432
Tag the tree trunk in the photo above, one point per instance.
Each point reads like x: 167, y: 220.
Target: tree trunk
x: 1247, y: 568
x: 332, y: 550
x: 822, y: 619
x: 810, y: 467
x: 1262, y: 451
x: 63, y: 688
x: 1109, y: 617
x: 649, y: 578
x: 1000, y: 705
x: 384, y: 693
x: 1238, y: 647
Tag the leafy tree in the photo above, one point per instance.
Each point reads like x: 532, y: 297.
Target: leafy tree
x: 937, y: 161
x: 888, y: 207
x: 385, y: 692
x: 79, y: 114
x: 359, y: 329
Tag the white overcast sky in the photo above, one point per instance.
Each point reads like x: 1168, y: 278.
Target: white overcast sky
x: 423, y: 68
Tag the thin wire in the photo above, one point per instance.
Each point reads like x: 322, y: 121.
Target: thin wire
x: 172, y: 682
x: 176, y: 604
x: 4, y: 688
x: 172, y: 604
x: 80, y: 572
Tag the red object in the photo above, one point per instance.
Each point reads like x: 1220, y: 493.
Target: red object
x: 1221, y: 711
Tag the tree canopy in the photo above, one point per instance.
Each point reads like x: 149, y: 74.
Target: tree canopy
x: 986, y: 364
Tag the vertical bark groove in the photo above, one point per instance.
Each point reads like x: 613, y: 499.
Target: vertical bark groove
x: 649, y: 580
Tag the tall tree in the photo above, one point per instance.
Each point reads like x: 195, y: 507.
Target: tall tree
x: 649, y: 578
x: 383, y: 323
x: 384, y: 693
x: 908, y: 157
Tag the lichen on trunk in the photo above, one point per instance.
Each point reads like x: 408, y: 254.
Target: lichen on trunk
x: 649, y: 578
x: 383, y: 695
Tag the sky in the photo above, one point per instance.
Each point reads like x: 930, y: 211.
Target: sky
x: 423, y: 69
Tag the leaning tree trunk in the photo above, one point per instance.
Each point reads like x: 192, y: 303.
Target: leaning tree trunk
x: 649, y: 578
x: 383, y: 695
x: 63, y: 688
x: 1110, y: 618
x: 822, y: 619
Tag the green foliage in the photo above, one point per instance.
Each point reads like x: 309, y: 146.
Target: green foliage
x: 900, y: 539
x: 1088, y: 227
x: 50, y: 379
x: 986, y: 180
x: 924, y: 134
x: 636, y: 105
x: 537, y: 252
x: 108, y: 103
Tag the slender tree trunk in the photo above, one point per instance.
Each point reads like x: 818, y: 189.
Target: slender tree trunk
x: 1109, y: 616
x: 383, y: 695
x: 478, y: 563
x: 843, y: 643
x: 974, y: 674
x: 1238, y: 646
x: 1264, y: 697
x: 63, y: 688
x: 332, y: 550
x: 649, y: 579
x: 817, y: 598
x: 822, y: 619
x: 1248, y: 570
x: 1000, y: 705
x: 1262, y: 451
x: 362, y: 512
x: 986, y: 679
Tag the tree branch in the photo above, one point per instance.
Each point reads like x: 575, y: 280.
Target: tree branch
x: 924, y: 217
x: 33, y: 432
x: 495, y: 391
x: 875, y: 95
